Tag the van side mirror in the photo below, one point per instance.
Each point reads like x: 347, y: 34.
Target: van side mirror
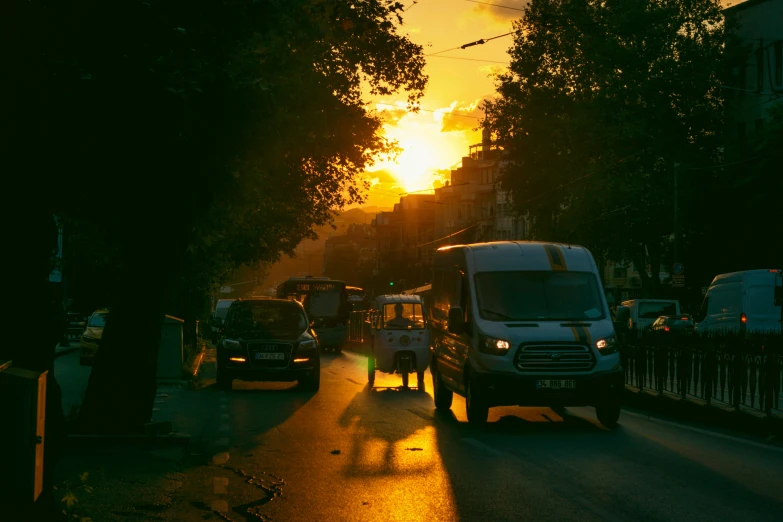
x: 456, y: 320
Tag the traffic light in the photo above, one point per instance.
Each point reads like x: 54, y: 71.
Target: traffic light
x: 391, y: 283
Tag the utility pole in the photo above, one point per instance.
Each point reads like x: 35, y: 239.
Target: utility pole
x: 676, y: 214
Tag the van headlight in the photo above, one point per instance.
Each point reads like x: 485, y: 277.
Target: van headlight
x: 493, y: 345
x: 607, y: 345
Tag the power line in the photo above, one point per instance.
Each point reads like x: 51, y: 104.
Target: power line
x: 470, y: 59
x: 496, y: 5
x: 414, y: 3
x: 471, y: 44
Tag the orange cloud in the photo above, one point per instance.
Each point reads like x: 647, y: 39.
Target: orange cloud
x: 466, y: 117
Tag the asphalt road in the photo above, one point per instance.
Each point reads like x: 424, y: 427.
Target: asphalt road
x: 270, y: 452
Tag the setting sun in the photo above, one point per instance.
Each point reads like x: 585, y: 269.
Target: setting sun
x: 425, y: 149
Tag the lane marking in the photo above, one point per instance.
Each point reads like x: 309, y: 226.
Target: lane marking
x: 596, y: 510
x: 223, y: 406
x: 219, y: 485
x: 224, y: 416
x: 483, y: 447
x: 223, y: 398
x: 223, y: 427
x: 705, y: 432
x: 220, y: 506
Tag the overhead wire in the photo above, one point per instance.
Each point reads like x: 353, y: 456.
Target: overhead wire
x: 471, y: 44
x: 496, y: 5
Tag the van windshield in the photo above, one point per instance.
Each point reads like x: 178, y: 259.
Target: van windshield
x: 539, y: 296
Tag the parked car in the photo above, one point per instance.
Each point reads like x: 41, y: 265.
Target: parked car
x: 644, y: 312
x: 522, y: 323
x: 219, y: 317
x: 268, y: 340
x: 91, y: 337
x: 673, y: 325
x: 741, y: 301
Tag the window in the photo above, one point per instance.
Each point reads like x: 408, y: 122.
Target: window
x: 653, y: 310
x: 538, y: 295
x: 445, y: 292
x: 778, y: 52
x: 266, y: 318
x: 725, y: 299
x: 97, y: 320
x: 620, y: 272
x: 403, y: 316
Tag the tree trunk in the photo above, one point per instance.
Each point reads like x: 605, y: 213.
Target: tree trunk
x: 656, y: 252
x: 122, y: 385
x: 639, y: 259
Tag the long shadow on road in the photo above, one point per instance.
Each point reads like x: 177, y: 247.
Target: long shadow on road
x: 516, y: 469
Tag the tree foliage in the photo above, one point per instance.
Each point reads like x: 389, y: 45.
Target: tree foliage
x: 601, y: 101
x: 198, y: 136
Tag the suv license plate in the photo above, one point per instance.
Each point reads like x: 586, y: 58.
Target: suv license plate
x: 267, y: 356
x: 555, y: 384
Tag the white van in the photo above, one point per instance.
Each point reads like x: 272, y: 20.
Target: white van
x: 741, y: 301
x: 522, y: 323
x: 644, y: 312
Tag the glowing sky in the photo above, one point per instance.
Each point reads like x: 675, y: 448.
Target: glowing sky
x: 435, y: 138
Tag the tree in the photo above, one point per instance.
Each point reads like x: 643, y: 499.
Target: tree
x: 601, y: 101
x: 200, y: 136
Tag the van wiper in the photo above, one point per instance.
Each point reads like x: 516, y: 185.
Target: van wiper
x: 498, y: 314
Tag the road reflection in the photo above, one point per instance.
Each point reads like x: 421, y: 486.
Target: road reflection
x: 395, y: 452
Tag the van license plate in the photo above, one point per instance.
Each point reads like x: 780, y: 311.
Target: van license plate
x: 273, y: 356
x: 555, y: 384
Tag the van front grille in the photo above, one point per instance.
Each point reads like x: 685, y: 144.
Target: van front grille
x: 554, y: 358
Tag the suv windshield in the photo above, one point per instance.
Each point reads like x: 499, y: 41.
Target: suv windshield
x: 538, y: 296
x: 263, y: 318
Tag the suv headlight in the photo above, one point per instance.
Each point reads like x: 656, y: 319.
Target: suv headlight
x: 493, y: 345
x: 232, y: 345
x: 607, y: 345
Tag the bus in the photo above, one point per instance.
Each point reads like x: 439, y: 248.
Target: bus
x: 357, y: 298
x: 326, y: 303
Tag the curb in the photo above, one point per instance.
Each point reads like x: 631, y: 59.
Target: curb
x: 176, y: 439
x: 197, y: 362
x: 689, y: 411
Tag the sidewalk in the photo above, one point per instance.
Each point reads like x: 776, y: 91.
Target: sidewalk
x: 131, y: 478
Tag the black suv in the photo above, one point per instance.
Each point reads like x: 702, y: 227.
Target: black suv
x: 268, y: 340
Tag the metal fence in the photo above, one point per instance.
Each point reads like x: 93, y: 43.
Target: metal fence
x: 732, y: 371
x: 359, y: 326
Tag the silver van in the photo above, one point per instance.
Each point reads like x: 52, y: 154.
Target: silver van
x: 522, y: 323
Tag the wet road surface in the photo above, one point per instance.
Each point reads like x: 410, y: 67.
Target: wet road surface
x: 270, y: 452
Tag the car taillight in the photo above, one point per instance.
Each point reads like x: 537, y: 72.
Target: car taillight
x: 666, y: 329
x: 743, y: 318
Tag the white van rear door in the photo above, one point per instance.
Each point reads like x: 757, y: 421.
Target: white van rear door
x: 760, y: 310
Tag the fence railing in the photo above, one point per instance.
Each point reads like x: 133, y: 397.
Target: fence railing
x: 359, y: 326
x: 731, y: 371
